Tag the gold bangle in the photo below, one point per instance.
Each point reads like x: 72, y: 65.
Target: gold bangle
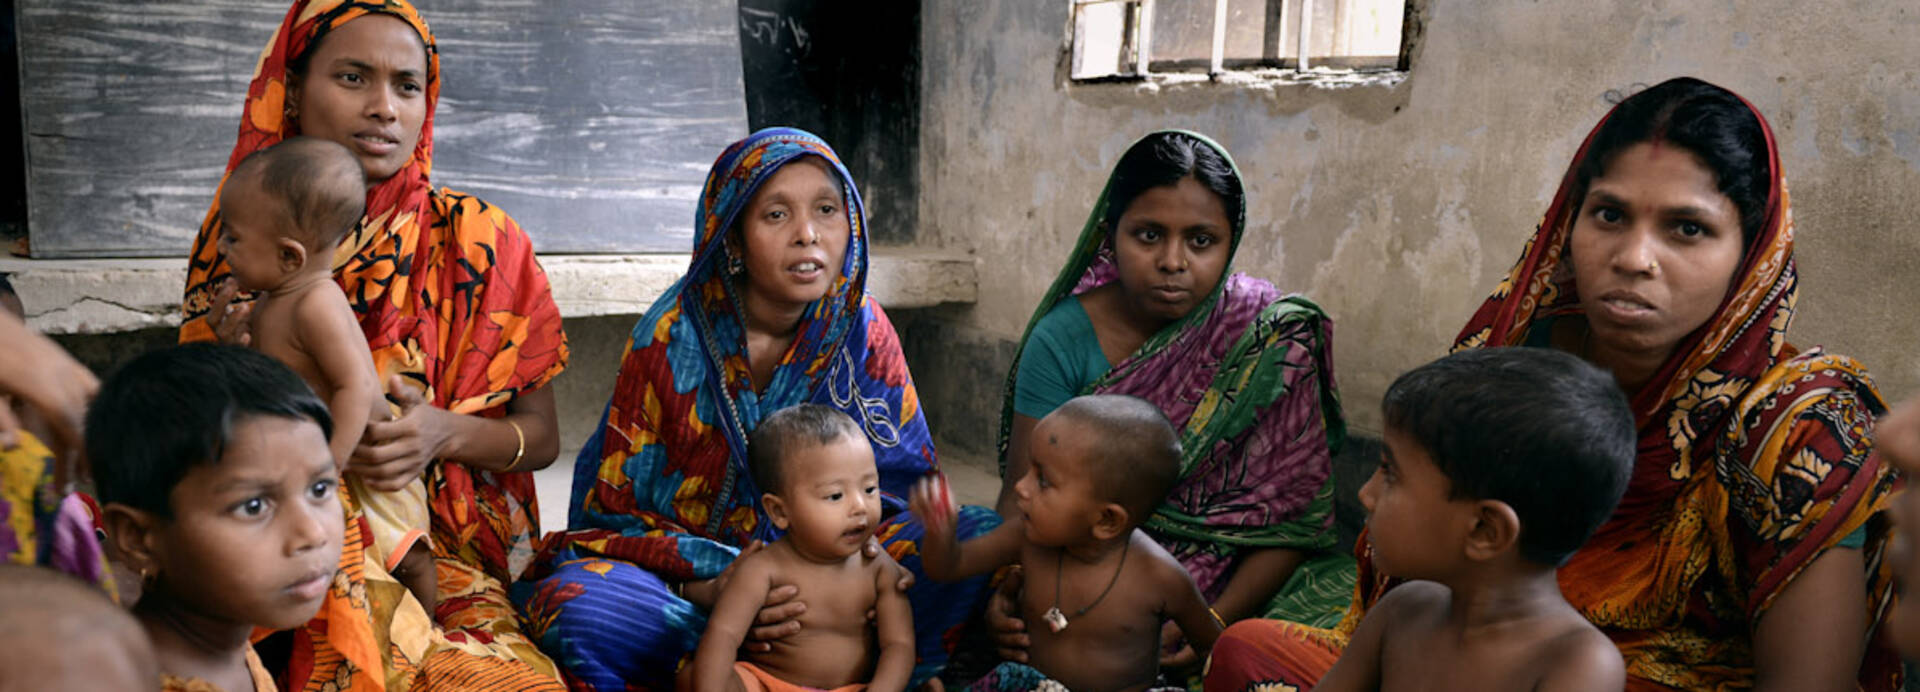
x: 518, y: 454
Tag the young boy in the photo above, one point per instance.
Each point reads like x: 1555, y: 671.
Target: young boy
x: 218, y: 488
x: 1499, y: 464
x: 815, y: 468
x: 58, y: 633
x: 1097, y: 587
x: 283, y: 212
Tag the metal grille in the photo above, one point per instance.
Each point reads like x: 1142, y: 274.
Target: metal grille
x: 1134, y: 38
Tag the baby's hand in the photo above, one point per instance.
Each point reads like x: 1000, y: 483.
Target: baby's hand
x: 932, y: 501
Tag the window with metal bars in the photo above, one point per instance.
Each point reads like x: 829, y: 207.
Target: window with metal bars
x: 1136, y: 38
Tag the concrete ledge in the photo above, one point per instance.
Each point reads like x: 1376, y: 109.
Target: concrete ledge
x: 101, y: 296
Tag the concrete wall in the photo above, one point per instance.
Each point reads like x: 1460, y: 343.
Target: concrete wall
x: 1399, y: 207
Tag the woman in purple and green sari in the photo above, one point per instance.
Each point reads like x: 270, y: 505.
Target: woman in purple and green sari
x: 1145, y: 306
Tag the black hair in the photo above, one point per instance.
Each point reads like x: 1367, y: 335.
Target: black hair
x: 1165, y: 158
x: 174, y: 408
x: 789, y: 430
x: 1540, y: 430
x: 298, y: 64
x: 1710, y: 122
x: 1136, y: 454
x: 318, y: 184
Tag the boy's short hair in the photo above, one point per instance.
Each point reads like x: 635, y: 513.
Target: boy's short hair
x: 175, y: 408
x: 1136, y: 453
x: 318, y: 184
x: 1540, y: 430
x: 791, y: 429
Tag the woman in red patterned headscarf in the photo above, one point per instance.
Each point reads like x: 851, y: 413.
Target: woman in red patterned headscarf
x: 460, y: 319
x: 1748, y: 550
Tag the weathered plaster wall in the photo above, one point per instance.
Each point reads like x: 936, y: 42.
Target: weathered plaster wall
x: 1399, y: 207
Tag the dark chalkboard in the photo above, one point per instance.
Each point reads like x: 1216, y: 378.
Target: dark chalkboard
x: 592, y: 122
x: 848, y: 70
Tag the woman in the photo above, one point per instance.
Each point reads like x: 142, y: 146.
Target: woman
x: 451, y: 301
x: 1747, y: 551
x: 773, y: 312
x: 1145, y: 307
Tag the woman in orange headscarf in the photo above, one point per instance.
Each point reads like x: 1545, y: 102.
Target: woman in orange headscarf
x: 461, y: 321
x: 1748, y: 550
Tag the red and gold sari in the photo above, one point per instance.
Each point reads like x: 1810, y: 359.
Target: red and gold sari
x: 1754, y: 459
x: 449, y: 296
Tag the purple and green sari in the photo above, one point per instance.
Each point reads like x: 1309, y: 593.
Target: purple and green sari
x: 1246, y: 377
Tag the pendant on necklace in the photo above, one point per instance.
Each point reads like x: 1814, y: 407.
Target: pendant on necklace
x: 1056, y: 620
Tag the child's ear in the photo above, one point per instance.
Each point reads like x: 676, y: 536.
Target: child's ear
x: 293, y: 254
x: 776, y: 510
x: 1111, y: 522
x: 136, y: 533
x: 1496, y: 530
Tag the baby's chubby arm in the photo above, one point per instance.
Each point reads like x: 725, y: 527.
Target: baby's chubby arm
x: 329, y: 334
x: 893, y: 616
x: 727, y: 625
x: 941, y: 553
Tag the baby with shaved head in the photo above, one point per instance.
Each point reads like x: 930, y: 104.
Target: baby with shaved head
x: 1099, y: 466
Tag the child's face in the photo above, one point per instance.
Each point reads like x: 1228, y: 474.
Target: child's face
x: 255, y: 538
x: 250, y: 236
x: 1416, y: 530
x: 1057, y: 494
x: 831, y: 497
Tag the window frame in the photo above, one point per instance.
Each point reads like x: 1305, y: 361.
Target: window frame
x: 1135, y: 42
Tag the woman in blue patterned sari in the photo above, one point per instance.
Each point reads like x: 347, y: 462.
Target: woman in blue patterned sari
x: 773, y: 312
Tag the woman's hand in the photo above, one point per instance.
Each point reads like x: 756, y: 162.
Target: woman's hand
x: 1175, y: 652
x: 231, y: 324
x: 394, y: 452
x: 40, y: 373
x: 1003, y: 618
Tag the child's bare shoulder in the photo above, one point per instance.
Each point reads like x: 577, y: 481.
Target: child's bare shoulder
x: 323, y: 299
x: 763, y: 560
x: 1579, y: 657
x: 1151, y: 558
x: 1413, y: 599
x: 884, y: 570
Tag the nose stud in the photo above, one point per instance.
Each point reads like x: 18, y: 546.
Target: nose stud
x: 1653, y: 266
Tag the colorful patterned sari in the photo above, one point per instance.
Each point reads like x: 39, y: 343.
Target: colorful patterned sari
x: 1753, y: 460
x: 449, y: 295
x: 661, y: 493
x: 44, y: 524
x: 1247, y: 379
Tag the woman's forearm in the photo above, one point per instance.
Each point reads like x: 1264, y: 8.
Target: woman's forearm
x: 492, y: 444
x: 1259, y: 576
